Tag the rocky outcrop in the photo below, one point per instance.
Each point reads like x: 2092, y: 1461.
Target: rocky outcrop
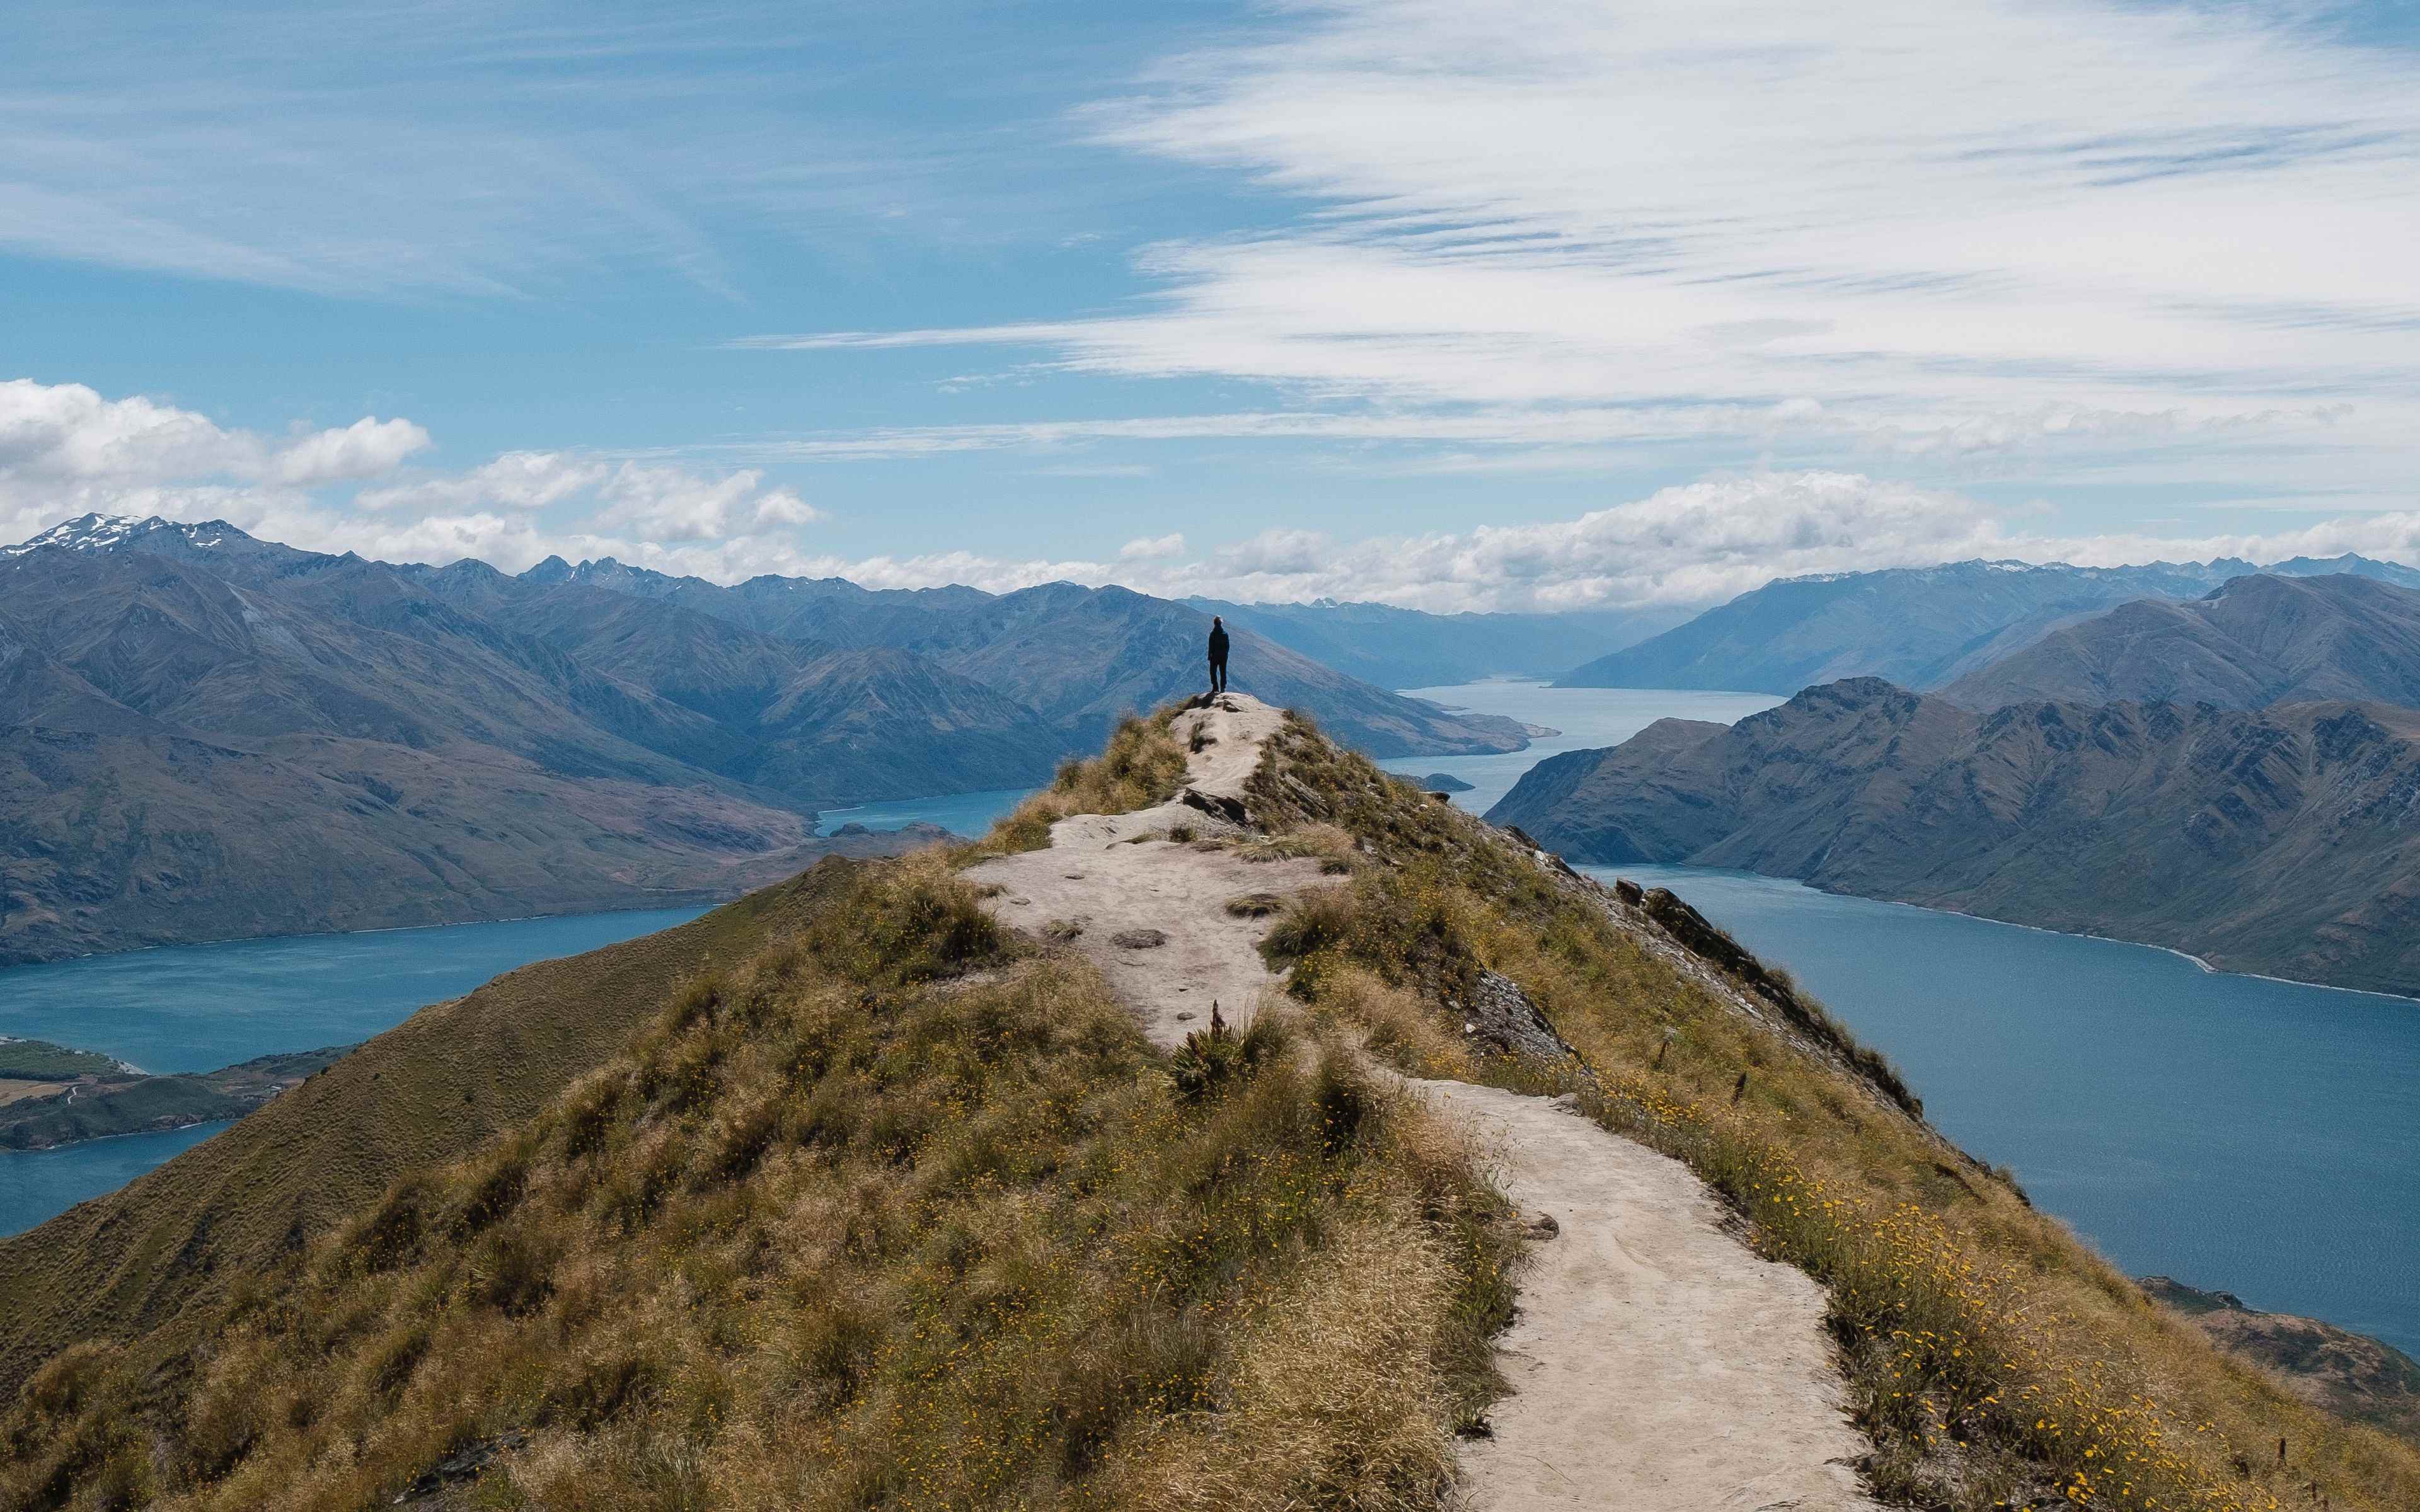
x: 1498, y: 1014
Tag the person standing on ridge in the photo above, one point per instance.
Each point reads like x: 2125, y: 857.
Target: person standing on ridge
x: 1217, y: 655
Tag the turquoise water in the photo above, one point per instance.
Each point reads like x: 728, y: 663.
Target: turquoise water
x: 967, y: 814
x: 2262, y: 1137
x: 1586, y: 717
x: 2253, y: 1135
x: 2236, y: 1133
x: 200, y: 1007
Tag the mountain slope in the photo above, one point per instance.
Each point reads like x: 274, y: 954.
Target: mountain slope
x: 888, y: 1205
x: 1918, y: 626
x: 2277, y: 841
x: 204, y: 736
x: 2257, y: 640
x: 1078, y: 657
x: 182, y: 1237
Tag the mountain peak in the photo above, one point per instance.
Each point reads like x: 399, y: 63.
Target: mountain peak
x: 108, y: 533
x: 553, y: 570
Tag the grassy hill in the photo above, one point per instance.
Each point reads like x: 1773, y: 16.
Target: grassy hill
x: 845, y: 1197
x: 157, y: 1254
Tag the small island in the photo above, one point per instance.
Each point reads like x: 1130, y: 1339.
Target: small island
x: 1444, y: 782
x: 51, y: 1095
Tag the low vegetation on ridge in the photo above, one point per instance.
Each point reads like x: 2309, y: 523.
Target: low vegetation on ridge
x: 1143, y: 764
x: 1992, y: 1359
x: 895, y: 1213
x: 894, y: 1209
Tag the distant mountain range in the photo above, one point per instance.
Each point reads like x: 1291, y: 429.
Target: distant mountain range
x: 2277, y: 840
x: 1921, y: 627
x: 2255, y: 641
x: 205, y: 735
x: 1404, y: 648
x: 1076, y: 657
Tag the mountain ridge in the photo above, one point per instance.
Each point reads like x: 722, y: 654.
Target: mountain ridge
x: 1920, y: 628
x: 2272, y: 841
x: 2257, y: 640
x: 205, y: 736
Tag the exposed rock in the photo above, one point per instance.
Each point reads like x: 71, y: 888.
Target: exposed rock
x: 1498, y: 1012
x: 462, y: 1465
x: 1139, y: 939
x: 1216, y: 805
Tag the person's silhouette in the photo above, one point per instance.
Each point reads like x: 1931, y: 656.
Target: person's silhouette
x: 1217, y: 655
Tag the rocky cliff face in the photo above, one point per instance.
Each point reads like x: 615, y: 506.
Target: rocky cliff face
x: 2277, y: 840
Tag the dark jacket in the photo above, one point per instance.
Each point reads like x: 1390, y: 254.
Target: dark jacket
x: 1218, y: 644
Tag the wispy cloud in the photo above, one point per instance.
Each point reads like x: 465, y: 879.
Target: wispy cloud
x: 495, y: 150
x: 1942, y: 229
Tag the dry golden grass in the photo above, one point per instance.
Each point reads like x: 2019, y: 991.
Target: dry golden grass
x: 1142, y: 766
x: 887, y: 1215
x: 162, y: 1251
x: 1995, y: 1360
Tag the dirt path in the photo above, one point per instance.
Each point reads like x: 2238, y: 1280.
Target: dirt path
x: 1656, y: 1362
x: 1151, y: 912
x: 1657, y: 1365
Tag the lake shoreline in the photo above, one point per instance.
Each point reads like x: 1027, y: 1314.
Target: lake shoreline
x: 2411, y: 998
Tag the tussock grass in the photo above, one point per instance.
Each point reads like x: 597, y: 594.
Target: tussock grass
x: 1994, y: 1360
x: 1255, y: 904
x: 1331, y: 846
x: 1143, y: 764
x: 885, y: 1215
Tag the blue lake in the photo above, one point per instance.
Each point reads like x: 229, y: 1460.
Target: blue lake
x: 2253, y: 1135
x: 200, y: 1007
x: 2262, y: 1137
x: 1584, y: 716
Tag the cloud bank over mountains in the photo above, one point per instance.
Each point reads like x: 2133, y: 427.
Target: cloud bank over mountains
x: 66, y: 450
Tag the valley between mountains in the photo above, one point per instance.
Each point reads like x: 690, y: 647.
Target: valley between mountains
x: 207, y: 736
x: 2236, y: 777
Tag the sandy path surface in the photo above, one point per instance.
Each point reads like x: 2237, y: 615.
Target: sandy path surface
x: 1121, y: 892
x: 1656, y: 1364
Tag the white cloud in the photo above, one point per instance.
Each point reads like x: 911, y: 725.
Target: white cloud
x: 1943, y: 233
x: 66, y: 449
x: 516, y: 480
x: 652, y: 501
x: 670, y: 503
x: 1146, y: 547
x: 364, y: 449
x: 1688, y: 545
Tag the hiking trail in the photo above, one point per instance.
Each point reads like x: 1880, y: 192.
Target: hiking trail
x: 1657, y: 1364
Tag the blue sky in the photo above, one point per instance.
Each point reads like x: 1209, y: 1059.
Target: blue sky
x: 1458, y: 306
